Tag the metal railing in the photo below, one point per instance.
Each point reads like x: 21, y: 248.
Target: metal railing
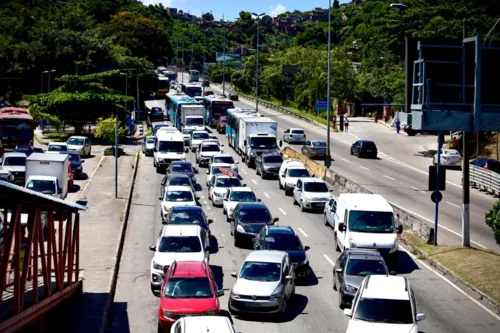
x: 484, y: 179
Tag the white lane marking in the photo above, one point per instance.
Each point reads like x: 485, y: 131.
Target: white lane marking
x: 204, y: 202
x: 254, y: 182
x: 452, y: 204
x: 267, y: 195
x: 416, y: 189
x: 202, y: 197
x: 283, y: 211
x: 432, y: 223
x: 225, y: 241
x: 90, y: 178
x: 208, y: 207
x: 343, y: 159
x: 329, y: 260
x: 389, y: 177
x: 362, y: 167
x: 452, y: 284
x: 244, y: 171
x: 302, y: 231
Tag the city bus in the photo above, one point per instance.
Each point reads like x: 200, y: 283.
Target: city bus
x: 185, y: 111
x: 194, y: 75
x: 216, y: 106
x: 232, y: 123
x: 162, y: 86
x: 16, y: 127
x: 191, y: 89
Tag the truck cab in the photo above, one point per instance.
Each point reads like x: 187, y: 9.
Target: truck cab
x: 48, y: 185
x: 256, y: 145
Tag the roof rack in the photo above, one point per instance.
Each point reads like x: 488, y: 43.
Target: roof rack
x: 367, y: 281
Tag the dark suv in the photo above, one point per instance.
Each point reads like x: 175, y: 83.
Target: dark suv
x: 268, y: 164
x: 247, y: 220
x: 364, y: 148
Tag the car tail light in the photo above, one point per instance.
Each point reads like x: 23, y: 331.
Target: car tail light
x: 313, y: 149
x: 443, y: 157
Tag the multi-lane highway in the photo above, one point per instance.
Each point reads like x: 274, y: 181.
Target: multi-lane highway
x: 315, y: 307
x: 399, y: 174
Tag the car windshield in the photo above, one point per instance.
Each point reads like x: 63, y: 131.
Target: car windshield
x: 14, y: 161
x: 388, y: 311
x: 315, y: 187
x: 75, y: 141
x: 227, y: 182
x: 298, y: 173
x: 364, y: 221
x: 194, y: 121
x: 187, y: 217
x: 263, y: 142
x: 198, y: 287
x: 184, y: 167
x: 178, y: 196
x: 283, y: 243
x: 150, y: 140
x: 318, y: 143
x: 210, y: 148
x: 273, y: 159
x: 187, y: 131
x: 261, y: 271
x: 178, y: 181
x: 42, y: 186
x: 171, y: 146
x: 255, y: 215
x: 199, y: 136
x: 223, y: 159
x: 57, y: 148
x: 180, y: 244
x: 243, y: 196
x: 360, y: 267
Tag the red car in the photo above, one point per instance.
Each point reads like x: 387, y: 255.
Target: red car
x: 221, y: 124
x: 188, y: 289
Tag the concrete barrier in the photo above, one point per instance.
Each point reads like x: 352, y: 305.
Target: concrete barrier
x: 341, y: 184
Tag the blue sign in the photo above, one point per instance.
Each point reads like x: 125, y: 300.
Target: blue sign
x: 219, y: 56
x: 321, y: 105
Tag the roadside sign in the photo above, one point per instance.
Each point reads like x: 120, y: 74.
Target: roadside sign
x: 432, y: 186
x: 328, y: 161
x: 436, y: 196
x: 290, y: 69
x: 320, y: 105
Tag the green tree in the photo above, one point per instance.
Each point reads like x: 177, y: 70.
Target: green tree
x: 106, y: 130
x: 207, y: 16
x: 492, y: 219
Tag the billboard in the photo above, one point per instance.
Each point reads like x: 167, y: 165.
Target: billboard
x: 219, y: 56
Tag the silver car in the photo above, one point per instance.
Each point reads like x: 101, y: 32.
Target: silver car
x: 294, y: 135
x: 265, y: 284
x: 148, y: 145
x: 314, y: 148
x: 449, y: 158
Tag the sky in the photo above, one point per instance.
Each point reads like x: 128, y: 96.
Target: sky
x: 230, y: 9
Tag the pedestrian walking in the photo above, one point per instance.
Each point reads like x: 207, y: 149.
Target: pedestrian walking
x: 398, y: 125
x: 453, y: 143
x: 346, y: 124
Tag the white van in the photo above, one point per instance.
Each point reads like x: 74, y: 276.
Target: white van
x: 365, y: 221
x: 169, y: 147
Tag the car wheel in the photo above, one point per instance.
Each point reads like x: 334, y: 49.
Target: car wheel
x: 358, y: 155
x: 90, y: 152
x: 224, y: 211
x: 351, y: 152
x: 158, y: 170
x: 335, y: 240
x: 294, y: 201
x: 341, y: 302
x: 302, y: 208
x: 235, y: 241
x: 213, y: 203
x: 325, y: 219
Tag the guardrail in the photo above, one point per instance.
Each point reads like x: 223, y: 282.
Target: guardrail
x: 485, y: 179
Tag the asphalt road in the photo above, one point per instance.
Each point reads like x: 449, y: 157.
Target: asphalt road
x: 399, y: 174
x: 315, y: 308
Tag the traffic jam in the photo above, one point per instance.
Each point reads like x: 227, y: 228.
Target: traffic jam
x: 370, y: 293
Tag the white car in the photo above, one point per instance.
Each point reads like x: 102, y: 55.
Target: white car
x: 233, y: 196
x: 384, y: 303
x: 57, y: 147
x: 289, y: 174
x: 218, y: 186
x: 176, y: 196
x: 449, y: 158
x: 219, y: 324
x: 196, y: 138
x: 311, y: 193
x: 180, y: 243
x: 80, y: 144
x: 225, y: 158
x: 205, y: 152
x: 215, y: 169
x: 294, y: 135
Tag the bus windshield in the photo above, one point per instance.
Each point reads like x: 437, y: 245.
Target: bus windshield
x: 171, y: 146
x: 220, y: 109
x: 16, y: 131
x: 193, y: 91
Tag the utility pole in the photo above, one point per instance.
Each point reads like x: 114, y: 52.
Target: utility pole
x: 328, y: 159
x: 224, y: 65
x: 257, y: 63
x: 182, y: 73
x: 203, y: 64
x: 116, y: 136
x: 192, y: 50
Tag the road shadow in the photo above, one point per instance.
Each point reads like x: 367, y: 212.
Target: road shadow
x: 214, y: 245
x: 426, y: 153
x: 405, y: 265
x: 312, y: 280
x: 74, y: 189
x: 296, y: 307
x: 84, y: 176
x: 118, y: 319
x: 219, y: 275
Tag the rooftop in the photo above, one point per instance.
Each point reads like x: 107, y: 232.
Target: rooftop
x: 48, y: 157
x: 386, y: 287
x: 365, y: 202
x: 266, y: 256
x: 280, y: 230
x: 190, y: 269
x: 181, y: 230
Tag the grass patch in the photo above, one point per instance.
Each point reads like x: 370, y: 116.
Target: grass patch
x: 57, y: 137
x: 480, y: 268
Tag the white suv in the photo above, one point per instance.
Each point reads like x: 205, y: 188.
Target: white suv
x: 290, y: 172
x: 294, y: 135
x: 205, y: 152
x: 311, y: 193
x: 196, y: 138
x: 384, y: 303
x: 180, y: 243
x: 176, y: 196
x: 235, y: 195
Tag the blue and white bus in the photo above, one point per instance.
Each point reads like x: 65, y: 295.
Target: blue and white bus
x: 181, y: 105
x: 191, y: 89
x: 194, y: 75
x: 216, y: 106
x: 233, y: 117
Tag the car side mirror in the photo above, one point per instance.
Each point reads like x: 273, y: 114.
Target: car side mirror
x: 195, y: 170
x: 341, y: 227
x: 281, y: 143
x: 283, y: 176
x: 237, y: 162
x: 207, y: 172
x: 226, y: 199
x: 348, y: 312
x: 307, y: 248
x: 197, y: 197
x: 210, y: 221
x: 244, y: 185
x: 82, y: 161
x: 152, y: 248
x: 159, y: 198
x: 276, y: 219
x: 393, y: 273
x: 400, y: 229
x: 245, y: 143
x: 186, y: 150
x: 220, y: 293
x: 420, y: 316
x: 289, y: 278
x: 259, y: 200
x: 222, y: 145
x: 338, y: 270
x: 155, y: 150
x: 233, y: 274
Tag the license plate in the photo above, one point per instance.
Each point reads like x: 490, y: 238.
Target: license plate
x: 320, y: 150
x: 368, y: 151
x: 319, y: 205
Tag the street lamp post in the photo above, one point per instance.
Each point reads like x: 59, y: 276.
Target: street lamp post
x: 48, y: 79
x: 137, y: 88
x: 182, y: 73
x: 257, y: 62
x: 203, y: 64
x: 223, y: 23
x: 328, y: 159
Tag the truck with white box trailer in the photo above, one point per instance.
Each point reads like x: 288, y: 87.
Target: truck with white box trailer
x: 256, y: 135
x: 42, y: 168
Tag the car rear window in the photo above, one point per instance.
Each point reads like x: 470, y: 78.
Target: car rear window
x: 297, y: 131
x: 319, y: 143
x: 369, y: 145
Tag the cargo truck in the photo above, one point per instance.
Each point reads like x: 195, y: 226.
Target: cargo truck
x: 256, y: 135
x: 48, y: 174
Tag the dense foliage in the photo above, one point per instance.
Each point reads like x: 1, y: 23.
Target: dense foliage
x: 492, y: 218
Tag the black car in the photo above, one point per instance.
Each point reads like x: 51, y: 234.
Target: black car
x: 233, y: 97
x: 176, y: 179
x: 190, y: 215
x: 284, y: 239
x: 157, y: 127
x: 351, y: 268
x: 28, y: 150
x: 268, y: 164
x: 364, y: 148
x: 487, y: 163
x: 183, y: 167
x: 247, y: 220
x: 76, y: 162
